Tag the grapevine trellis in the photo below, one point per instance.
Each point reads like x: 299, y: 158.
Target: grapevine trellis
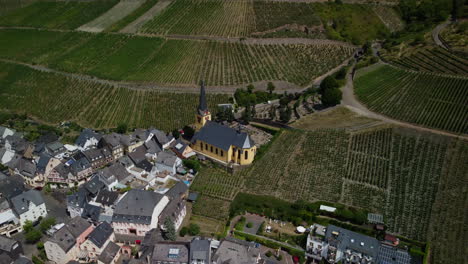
x: 172, y: 62
x: 422, y: 98
x: 57, y: 14
x: 55, y: 98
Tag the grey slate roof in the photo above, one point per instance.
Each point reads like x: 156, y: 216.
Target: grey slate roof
x: 200, y: 249
x: 85, y: 135
x: 91, y: 212
x: 106, y: 197
x: 64, y: 238
x: 23, y: 260
x: 177, y: 190
x: 125, y: 161
x: 352, y: 240
x: 236, y: 251
x: 152, y: 147
x: 43, y: 162
x: 109, y: 253
x: 114, y: 172
x: 11, y: 186
x: 21, y: 202
x: 77, y: 225
x: 101, y: 234
x: 138, y: 155
x: 94, y: 185
x: 80, y: 165
x: 78, y: 199
x: 392, y: 255
x: 145, y: 165
x: 6, y: 244
x: 162, y: 250
x: 167, y: 158
x: 222, y: 136
x: 136, y: 206
x: 26, y: 168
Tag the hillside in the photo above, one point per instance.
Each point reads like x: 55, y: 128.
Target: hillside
x: 428, y: 100
x: 55, y: 98
x: 173, y: 62
x: 390, y: 170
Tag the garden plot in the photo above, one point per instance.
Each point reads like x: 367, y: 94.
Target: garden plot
x: 116, y: 13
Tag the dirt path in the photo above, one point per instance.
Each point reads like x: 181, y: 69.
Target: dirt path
x: 436, y: 31
x: 351, y: 102
x: 146, y: 17
x: 116, y: 13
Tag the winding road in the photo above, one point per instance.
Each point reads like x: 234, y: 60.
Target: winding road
x: 350, y: 101
x: 436, y: 31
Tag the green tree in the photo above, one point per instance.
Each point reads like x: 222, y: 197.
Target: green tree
x: 192, y: 164
x: 188, y: 132
x: 28, y: 226
x: 270, y: 87
x: 47, y: 223
x: 122, y: 128
x: 170, y: 232
x: 250, y: 88
x: 176, y: 133
x: 183, y: 231
x: 247, y: 115
x: 285, y: 114
x: 328, y: 83
x: 33, y: 236
x: 332, y: 97
x: 193, y: 229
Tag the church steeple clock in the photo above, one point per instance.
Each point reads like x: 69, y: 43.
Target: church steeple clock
x: 203, y: 114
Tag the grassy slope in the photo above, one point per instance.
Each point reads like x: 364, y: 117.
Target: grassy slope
x: 132, y: 16
x: 57, y: 15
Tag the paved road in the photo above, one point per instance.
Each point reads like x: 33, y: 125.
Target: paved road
x: 436, y: 31
x: 351, y: 102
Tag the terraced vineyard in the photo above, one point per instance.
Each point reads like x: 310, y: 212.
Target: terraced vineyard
x: 389, y: 17
x: 56, y: 14
x: 424, y: 99
x: 55, y: 98
x: 435, y: 60
x: 243, y: 18
x: 402, y: 173
x: 172, y: 62
x: 7, y: 6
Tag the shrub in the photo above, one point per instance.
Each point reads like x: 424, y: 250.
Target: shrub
x: 183, y: 231
x: 269, y: 254
x: 328, y: 83
x: 332, y: 97
x: 33, y: 236
x: 46, y: 224
x: 249, y: 225
x: 193, y: 229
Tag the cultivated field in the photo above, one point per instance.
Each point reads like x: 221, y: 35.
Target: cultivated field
x: 112, y: 16
x: 172, y: 62
x: 57, y: 15
x: 389, y: 17
x: 9, y: 5
x: 244, y: 18
x: 425, y: 99
x: 435, y: 60
x: 390, y: 170
x: 54, y: 98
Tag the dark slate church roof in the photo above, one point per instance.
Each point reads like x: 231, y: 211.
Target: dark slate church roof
x: 222, y: 136
x: 202, y: 106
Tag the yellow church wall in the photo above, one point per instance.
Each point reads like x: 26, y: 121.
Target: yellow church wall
x: 228, y: 156
x: 200, y: 120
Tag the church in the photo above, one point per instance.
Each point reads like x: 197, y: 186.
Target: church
x: 218, y: 142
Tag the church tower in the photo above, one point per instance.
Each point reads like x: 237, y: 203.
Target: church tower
x: 203, y: 114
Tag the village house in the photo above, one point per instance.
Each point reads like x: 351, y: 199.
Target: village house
x: 80, y: 168
x: 137, y: 212
x: 76, y: 202
x: 218, y: 142
x: 29, y: 206
x: 64, y: 245
x: 176, y: 208
x: 9, y: 221
x: 98, y: 240
x: 200, y: 251
x: 55, y: 149
x: 110, y: 254
x: 131, y: 142
x: 170, y: 253
x: 182, y: 150
x: 87, y: 139
x: 27, y: 170
x: 168, y: 162
x: 115, y: 176
x: 10, y: 247
x: 61, y: 175
x: 113, y: 142
x: 236, y: 251
x: 4, y: 132
x: 98, y: 157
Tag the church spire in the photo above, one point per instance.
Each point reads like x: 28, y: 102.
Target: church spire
x: 202, y: 106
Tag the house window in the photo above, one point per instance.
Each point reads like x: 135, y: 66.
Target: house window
x: 211, y: 149
x: 239, y: 154
x: 206, y: 146
x: 222, y: 153
x: 201, y: 145
x: 216, y: 151
x: 246, y: 154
